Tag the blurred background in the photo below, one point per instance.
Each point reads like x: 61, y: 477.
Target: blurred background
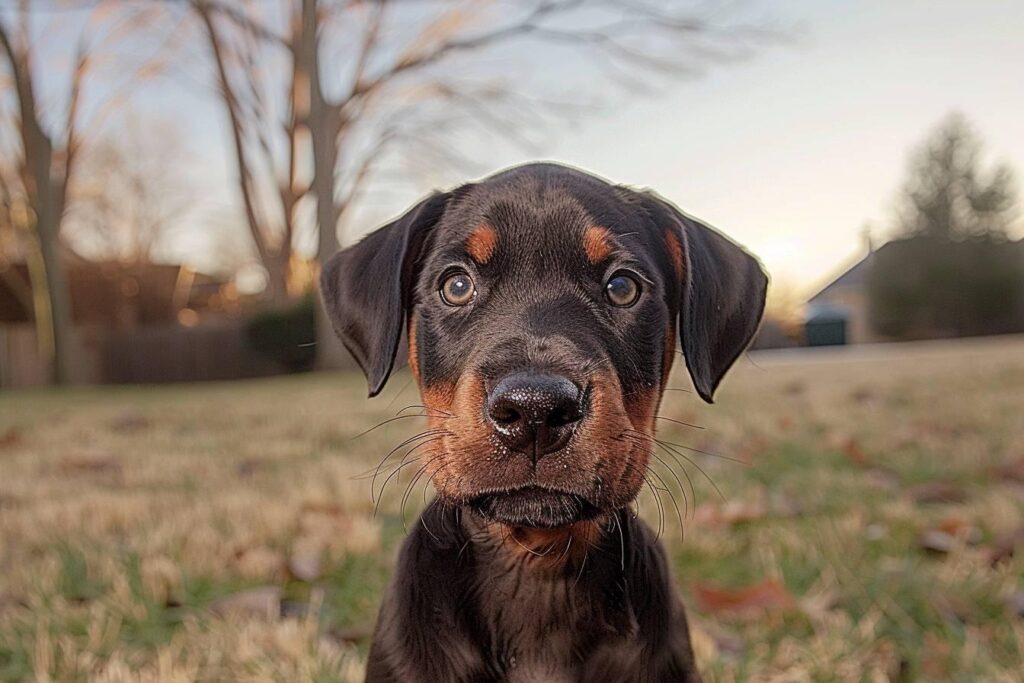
x: 172, y: 172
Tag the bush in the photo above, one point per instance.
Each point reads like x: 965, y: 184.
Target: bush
x: 923, y: 287
x: 287, y: 336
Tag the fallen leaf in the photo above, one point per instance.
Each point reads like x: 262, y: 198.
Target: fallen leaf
x: 260, y: 563
x: 262, y: 602
x: 767, y: 595
x: 1004, y: 547
x: 1011, y: 471
x: 94, y: 464
x: 855, y: 454
x: 937, y: 541
x: 352, y: 634
x: 247, y: 468
x: 935, y: 657
x: 937, y: 492
x: 11, y: 438
x: 1016, y: 603
x: 307, y: 566
x: 884, y: 479
x: 128, y: 423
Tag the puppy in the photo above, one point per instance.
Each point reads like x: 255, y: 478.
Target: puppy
x: 542, y: 306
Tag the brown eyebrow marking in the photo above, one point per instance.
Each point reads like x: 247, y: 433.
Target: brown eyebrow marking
x: 597, y: 244
x: 675, y: 252
x: 481, y: 243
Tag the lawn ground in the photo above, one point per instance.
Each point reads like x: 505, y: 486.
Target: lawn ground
x: 861, y: 522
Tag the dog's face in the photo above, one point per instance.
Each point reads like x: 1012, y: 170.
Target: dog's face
x: 542, y: 307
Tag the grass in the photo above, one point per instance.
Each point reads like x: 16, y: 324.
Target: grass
x: 223, y: 532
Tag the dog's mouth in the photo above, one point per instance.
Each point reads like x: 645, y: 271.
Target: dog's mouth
x: 534, y: 507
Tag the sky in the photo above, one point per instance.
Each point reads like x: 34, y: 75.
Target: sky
x: 791, y: 152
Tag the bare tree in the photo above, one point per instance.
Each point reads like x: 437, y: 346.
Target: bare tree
x: 270, y: 171
x: 49, y: 147
x: 366, y: 86
x: 130, y: 194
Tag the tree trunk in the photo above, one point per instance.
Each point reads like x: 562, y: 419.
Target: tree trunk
x: 324, y: 125
x: 57, y: 296
x: 46, y: 197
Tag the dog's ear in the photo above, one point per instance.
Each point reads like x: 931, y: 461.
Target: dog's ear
x: 367, y: 288
x: 722, y: 295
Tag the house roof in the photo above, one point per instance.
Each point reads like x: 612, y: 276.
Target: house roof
x: 853, y: 277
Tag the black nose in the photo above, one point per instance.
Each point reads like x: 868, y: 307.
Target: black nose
x: 535, y: 414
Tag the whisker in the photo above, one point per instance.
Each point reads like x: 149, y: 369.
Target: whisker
x: 708, y: 453
x: 668, y: 447
x: 423, y: 407
x: 430, y: 433
x: 675, y: 504
x: 661, y: 508
x: 674, y: 421
x: 381, y: 424
x: 646, y: 439
x: 682, y: 490
x: 401, y: 465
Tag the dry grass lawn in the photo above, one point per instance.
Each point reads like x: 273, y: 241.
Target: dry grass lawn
x: 869, y: 508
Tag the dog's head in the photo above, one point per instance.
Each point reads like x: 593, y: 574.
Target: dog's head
x: 542, y: 307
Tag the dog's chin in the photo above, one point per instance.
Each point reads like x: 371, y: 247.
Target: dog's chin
x: 534, y: 507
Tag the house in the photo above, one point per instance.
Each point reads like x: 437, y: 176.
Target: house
x: 838, y: 313
x: 115, y: 309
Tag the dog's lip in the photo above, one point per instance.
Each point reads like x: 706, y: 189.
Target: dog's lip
x: 494, y: 505
x: 524, y: 488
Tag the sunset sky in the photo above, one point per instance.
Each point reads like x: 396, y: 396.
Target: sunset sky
x: 791, y: 152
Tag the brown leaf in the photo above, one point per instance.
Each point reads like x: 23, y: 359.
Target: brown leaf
x: 130, y: 422
x: 1004, y: 547
x: 855, y: 454
x: 92, y: 464
x: 1011, y: 471
x: 1016, y: 603
x: 262, y: 602
x: 962, y: 530
x: 937, y: 541
x: 936, y: 657
x: 937, y: 492
x: 11, y: 438
x: 768, y: 595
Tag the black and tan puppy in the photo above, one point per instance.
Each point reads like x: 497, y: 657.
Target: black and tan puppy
x: 542, y: 306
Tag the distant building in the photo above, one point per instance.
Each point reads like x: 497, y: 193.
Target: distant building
x: 839, y: 313
x: 115, y: 308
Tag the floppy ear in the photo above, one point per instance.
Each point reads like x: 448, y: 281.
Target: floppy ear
x: 366, y: 288
x: 722, y: 296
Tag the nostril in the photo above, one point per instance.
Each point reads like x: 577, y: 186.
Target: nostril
x: 505, y: 415
x: 562, y: 416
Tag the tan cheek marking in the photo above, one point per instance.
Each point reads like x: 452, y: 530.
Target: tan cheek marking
x: 669, y: 357
x: 414, y: 360
x: 641, y: 409
x: 481, y: 243
x: 675, y: 252
x: 597, y: 244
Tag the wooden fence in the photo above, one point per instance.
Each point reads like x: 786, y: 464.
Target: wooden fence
x: 146, y: 354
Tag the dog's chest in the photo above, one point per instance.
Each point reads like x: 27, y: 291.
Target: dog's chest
x: 553, y: 626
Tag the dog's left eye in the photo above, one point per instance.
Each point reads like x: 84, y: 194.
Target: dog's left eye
x: 458, y: 289
x: 622, y: 290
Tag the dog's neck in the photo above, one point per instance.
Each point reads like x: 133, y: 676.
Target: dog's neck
x: 534, y: 548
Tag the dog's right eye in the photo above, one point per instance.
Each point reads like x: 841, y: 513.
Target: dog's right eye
x: 458, y: 289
